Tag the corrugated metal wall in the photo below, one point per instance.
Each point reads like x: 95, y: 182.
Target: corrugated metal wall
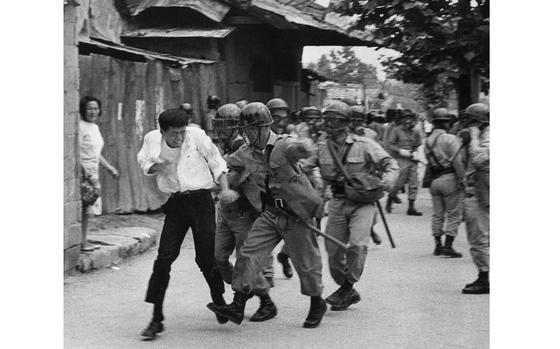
x: 133, y: 94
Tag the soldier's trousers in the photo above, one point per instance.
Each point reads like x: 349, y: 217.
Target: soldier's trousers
x: 182, y: 212
x: 408, y: 173
x: 446, y: 200
x: 350, y: 223
x: 267, y: 231
x: 477, y: 223
x: 231, y: 232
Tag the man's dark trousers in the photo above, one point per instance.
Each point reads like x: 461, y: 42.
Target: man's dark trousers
x: 183, y: 211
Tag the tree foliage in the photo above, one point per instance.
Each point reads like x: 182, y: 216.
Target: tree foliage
x: 440, y: 41
x: 344, y: 66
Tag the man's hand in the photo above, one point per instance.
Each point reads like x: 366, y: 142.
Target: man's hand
x: 228, y: 196
x: 158, y: 167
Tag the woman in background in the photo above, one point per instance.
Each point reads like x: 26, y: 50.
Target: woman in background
x: 91, y: 144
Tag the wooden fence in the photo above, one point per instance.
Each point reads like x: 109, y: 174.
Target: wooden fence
x: 132, y: 95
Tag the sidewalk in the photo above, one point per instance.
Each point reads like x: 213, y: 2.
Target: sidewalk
x: 120, y: 237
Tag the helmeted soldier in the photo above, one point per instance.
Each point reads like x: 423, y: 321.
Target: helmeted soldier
x: 349, y: 221
x: 403, y: 143
x: 377, y: 121
x: 447, y: 172
x: 280, y: 112
x: 235, y: 219
x: 358, y: 117
x: 212, y: 104
x: 476, y: 119
x: 271, y: 162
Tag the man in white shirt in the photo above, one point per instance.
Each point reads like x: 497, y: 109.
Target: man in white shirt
x: 187, y: 165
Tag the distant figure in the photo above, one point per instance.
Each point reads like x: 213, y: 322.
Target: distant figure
x: 212, y: 103
x: 91, y: 144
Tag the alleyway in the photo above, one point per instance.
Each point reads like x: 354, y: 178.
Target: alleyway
x: 410, y: 299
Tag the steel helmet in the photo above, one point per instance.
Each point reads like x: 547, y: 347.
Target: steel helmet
x: 227, y: 117
x: 477, y: 111
x: 310, y: 112
x: 441, y: 114
x: 403, y: 114
x: 277, y: 103
x: 358, y: 112
x: 255, y: 114
x: 340, y: 108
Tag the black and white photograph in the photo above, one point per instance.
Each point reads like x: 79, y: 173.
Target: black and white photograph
x: 288, y: 174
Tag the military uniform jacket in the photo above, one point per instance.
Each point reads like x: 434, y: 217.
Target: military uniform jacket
x: 364, y: 156
x: 402, y: 138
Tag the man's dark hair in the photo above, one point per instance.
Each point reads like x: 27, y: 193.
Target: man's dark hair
x: 173, y: 118
x: 84, y: 101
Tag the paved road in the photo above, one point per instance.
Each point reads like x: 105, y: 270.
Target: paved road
x: 410, y: 299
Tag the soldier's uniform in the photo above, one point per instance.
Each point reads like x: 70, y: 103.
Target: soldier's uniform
x: 400, y: 139
x: 285, y: 192
x: 477, y: 201
x: 446, y: 188
x: 349, y: 221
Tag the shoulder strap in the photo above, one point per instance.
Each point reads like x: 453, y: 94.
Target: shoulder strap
x: 337, y: 160
x: 430, y: 152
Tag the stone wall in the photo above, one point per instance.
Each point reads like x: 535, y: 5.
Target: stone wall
x: 72, y: 203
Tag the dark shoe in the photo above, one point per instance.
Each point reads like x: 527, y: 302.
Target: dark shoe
x: 152, y: 330
x: 412, y: 212
x: 397, y: 200
x: 335, y: 298
x: 477, y: 287
x: 351, y: 297
x: 316, y: 311
x: 438, y: 250
x: 450, y: 252
x: 219, y: 300
x: 266, y: 311
x: 284, y: 259
x: 235, y: 311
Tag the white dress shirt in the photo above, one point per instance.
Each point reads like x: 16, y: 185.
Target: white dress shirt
x: 195, y: 165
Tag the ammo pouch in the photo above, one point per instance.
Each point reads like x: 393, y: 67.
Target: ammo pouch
x: 359, y: 187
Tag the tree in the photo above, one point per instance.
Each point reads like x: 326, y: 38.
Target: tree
x: 344, y: 66
x: 441, y: 42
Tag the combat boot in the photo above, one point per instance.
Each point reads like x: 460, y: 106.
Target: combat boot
x: 284, y: 259
x: 267, y: 310
x: 235, y: 311
x: 411, y: 210
x: 317, y: 309
x: 448, y: 249
x: 397, y: 200
x: 438, y: 249
x: 480, y: 286
x: 348, y: 298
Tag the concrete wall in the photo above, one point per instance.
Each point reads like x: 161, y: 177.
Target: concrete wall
x: 72, y: 203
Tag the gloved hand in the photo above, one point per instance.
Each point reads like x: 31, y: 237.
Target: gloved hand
x: 405, y: 153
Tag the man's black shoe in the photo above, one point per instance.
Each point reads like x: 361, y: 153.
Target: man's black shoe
x: 230, y: 312
x: 267, y: 310
x: 152, y: 330
x: 218, y: 299
x: 351, y: 297
x: 284, y: 259
x: 316, y: 311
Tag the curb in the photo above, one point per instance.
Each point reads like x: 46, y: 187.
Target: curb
x: 116, y: 245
